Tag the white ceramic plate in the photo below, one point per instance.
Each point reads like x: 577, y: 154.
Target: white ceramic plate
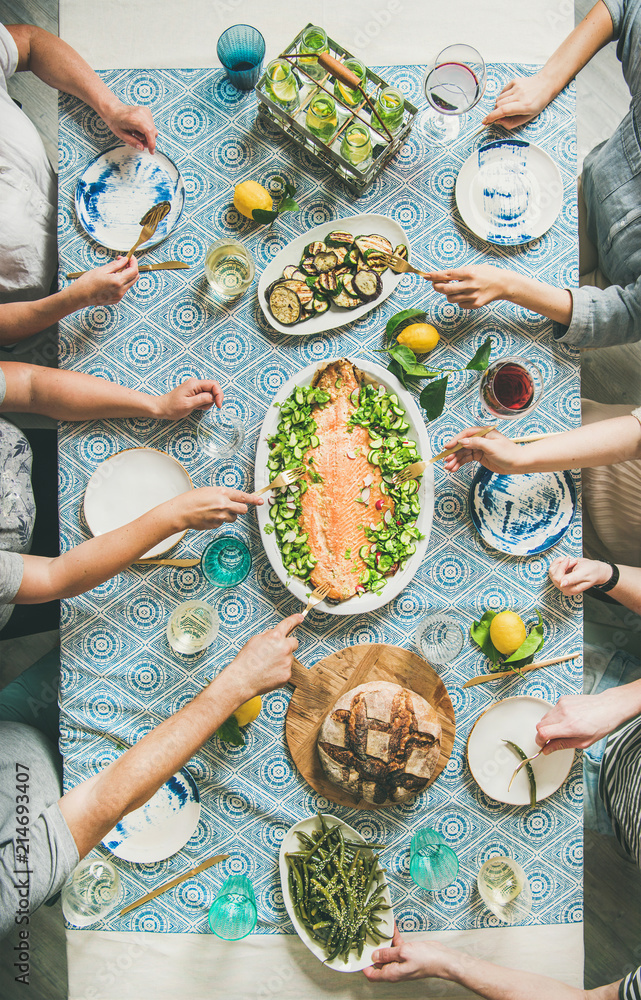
x: 521, y: 515
x: 417, y: 432
x: 292, y: 843
x: 492, y: 763
x: 116, y: 190
x: 357, y: 225
x: 128, y: 485
x: 509, y: 192
x: 161, y: 826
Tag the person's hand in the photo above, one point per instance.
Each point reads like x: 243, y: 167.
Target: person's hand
x: 573, y: 576
x: 403, y: 961
x: 472, y: 287
x: 578, y: 721
x: 106, y: 285
x: 496, y: 452
x: 211, y: 506
x: 134, y: 125
x: 520, y: 101
x: 194, y: 394
x: 265, y: 661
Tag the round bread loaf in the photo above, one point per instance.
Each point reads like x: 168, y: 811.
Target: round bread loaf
x: 380, y: 742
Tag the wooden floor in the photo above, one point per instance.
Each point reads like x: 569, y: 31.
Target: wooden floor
x: 612, y: 885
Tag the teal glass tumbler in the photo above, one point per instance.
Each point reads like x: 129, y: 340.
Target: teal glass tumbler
x: 226, y: 561
x: 241, y: 50
x: 233, y: 913
x: 433, y: 864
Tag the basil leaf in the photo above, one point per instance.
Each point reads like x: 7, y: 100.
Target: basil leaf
x: 480, y: 634
x: 407, y: 360
x: 432, y: 398
x: 289, y: 189
x: 399, y: 318
x: 532, y: 644
x: 406, y: 380
x: 481, y: 359
x: 263, y: 216
x: 230, y: 732
x: 288, y: 205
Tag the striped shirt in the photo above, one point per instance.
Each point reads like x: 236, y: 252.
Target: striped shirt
x: 620, y: 788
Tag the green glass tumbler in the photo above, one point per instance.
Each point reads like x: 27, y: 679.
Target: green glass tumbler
x: 233, y: 913
x: 226, y: 561
x: 433, y: 864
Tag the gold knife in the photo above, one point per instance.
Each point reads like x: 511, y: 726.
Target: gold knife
x: 166, y: 265
x: 175, y: 881
x: 484, y: 678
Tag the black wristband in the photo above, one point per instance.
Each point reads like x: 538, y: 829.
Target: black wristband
x: 611, y: 583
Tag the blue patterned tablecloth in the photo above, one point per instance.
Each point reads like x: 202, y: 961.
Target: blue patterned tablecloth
x: 119, y: 674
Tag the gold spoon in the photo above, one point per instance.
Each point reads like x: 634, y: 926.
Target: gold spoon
x: 149, y: 223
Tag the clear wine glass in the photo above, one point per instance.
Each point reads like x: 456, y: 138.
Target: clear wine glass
x: 453, y: 85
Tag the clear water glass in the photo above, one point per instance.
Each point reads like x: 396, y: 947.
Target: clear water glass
x: 505, y: 889
x: 226, y: 561
x: 220, y: 433
x: 192, y: 627
x: 241, y: 50
x: 233, y: 913
x: 433, y: 865
x: 91, y: 892
x: 439, y: 638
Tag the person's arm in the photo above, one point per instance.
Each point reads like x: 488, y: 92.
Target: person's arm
x: 425, y: 960
x: 104, y: 285
x: 603, y: 443
x: 579, y: 720
x: 575, y: 576
x: 98, y: 559
x: 523, y: 99
x: 92, y: 808
x: 66, y: 395
x: 62, y: 67
x: 473, y: 287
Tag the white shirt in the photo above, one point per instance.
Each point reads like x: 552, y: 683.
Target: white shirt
x: 28, y: 196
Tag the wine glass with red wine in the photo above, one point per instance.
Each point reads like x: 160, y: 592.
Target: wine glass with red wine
x: 511, y: 387
x: 453, y: 85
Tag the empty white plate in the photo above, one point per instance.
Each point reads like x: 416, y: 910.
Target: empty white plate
x: 492, y: 763
x: 509, y: 192
x: 130, y: 484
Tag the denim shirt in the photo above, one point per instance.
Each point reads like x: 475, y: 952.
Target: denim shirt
x: 612, y: 191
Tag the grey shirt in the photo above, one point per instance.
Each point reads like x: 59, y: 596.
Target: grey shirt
x: 612, y: 191
x: 17, y: 509
x: 37, y: 849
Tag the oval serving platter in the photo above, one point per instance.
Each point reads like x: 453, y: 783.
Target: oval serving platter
x: 357, y: 225
x: 291, y: 843
x: 368, y: 601
x: 118, y: 187
x: 522, y: 515
x: 509, y: 192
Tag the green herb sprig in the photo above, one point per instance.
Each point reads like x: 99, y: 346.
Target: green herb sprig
x: 533, y: 642
x: 286, y: 203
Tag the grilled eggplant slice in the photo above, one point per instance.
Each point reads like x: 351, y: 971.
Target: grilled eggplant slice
x: 284, y: 304
x: 301, y: 289
x: 325, y: 261
x: 307, y: 266
x: 368, y: 285
x: 339, y: 239
x: 373, y: 242
x: 328, y: 283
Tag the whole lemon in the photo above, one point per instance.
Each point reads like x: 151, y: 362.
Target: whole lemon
x: 420, y: 337
x: 249, y: 711
x: 249, y: 195
x: 507, y: 632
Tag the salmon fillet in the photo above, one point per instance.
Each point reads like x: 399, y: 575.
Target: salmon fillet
x: 332, y: 516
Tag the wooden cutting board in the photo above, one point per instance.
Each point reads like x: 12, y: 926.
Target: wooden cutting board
x: 319, y: 687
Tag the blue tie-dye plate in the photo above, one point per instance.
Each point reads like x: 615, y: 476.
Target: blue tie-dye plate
x: 521, y: 515
x: 161, y: 826
x: 509, y: 192
x: 116, y: 190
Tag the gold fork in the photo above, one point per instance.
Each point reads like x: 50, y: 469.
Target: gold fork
x: 401, y: 265
x: 524, y: 762
x: 286, y: 478
x: 316, y: 596
x: 149, y: 223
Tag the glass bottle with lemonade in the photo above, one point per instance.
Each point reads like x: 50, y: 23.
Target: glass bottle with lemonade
x: 356, y: 146
x: 321, y: 119
x: 390, y: 106
x: 313, y: 44
x: 281, y: 84
x: 348, y: 95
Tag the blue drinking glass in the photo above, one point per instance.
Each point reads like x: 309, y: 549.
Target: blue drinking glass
x: 241, y: 50
x: 433, y: 864
x: 226, y: 561
x: 233, y: 913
